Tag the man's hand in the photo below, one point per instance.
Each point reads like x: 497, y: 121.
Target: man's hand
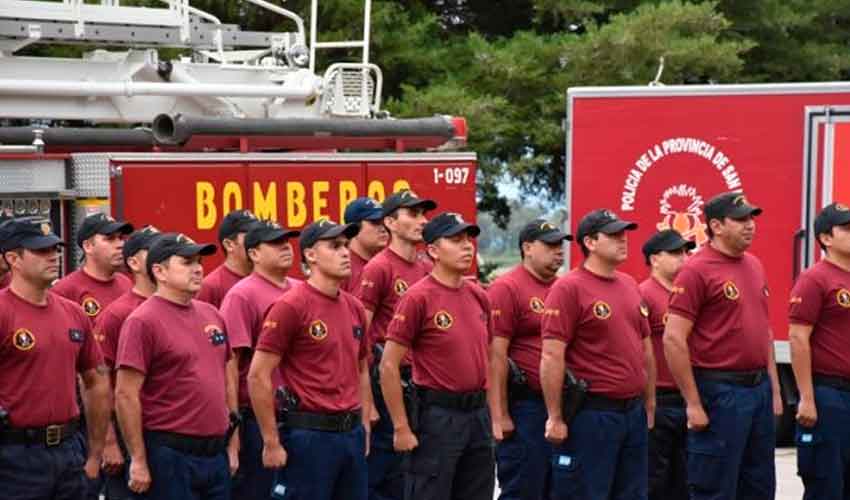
x: 404, y: 440
x: 140, y: 476
x: 650, y: 414
x: 233, y: 456
x: 92, y: 468
x: 807, y: 413
x: 778, y: 406
x: 113, y: 459
x: 374, y: 414
x: 556, y: 431
x: 697, y: 418
x: 507, y: 427
x: 274, y: 456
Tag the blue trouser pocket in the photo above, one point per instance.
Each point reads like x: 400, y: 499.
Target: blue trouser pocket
x: 566, y: 476
x: 707, y: 460
x: 810, y: 446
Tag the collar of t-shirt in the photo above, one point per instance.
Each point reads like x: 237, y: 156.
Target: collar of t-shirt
x: 320, y: 294
x: 534, y: 276
x: 48, y: 299
x: 590, y: 273
x: 717, y: 253
x: 96, y: 279
x: 391, y: 253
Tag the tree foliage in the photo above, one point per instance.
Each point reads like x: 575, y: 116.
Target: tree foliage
x: 506, y: 64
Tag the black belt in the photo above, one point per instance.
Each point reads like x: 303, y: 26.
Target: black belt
x: 462, y: 401
x: 193, y: 445
x: 744, y: 378
x: 604, y: 403
x: 247, y: 413
x: 839, y: 383
x: 669, y: 397
x: 524, y: 393
x: 328, y: 422
x: 51, y: 435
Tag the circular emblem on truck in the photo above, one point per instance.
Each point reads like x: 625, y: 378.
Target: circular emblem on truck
x: 601, y: 309
x: 843, y: 298
x: 731, y: 291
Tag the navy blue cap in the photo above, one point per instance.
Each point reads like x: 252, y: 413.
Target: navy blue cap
x: 267, y: 231
x: 363, y: 208
x: 731, y: 204
x: 668, y: 240
x: 406, y: 199
x: 324, y: 229
x: 101, y: 223
x: 541, y: 230
x: 170, y: 244
x: 603, y: 221
x: 835, y: 214
x: 448, y: 224
x: 142, y: 239
x: 237, y: 221
x: 32, y: 233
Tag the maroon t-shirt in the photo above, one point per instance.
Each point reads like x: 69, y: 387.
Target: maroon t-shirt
x: 216, y: 285
x: 243, y: 309
x: 107, y: 326
x: 518, y: 298
x: 91, y: 293
x: 821, y: 299
x: 448, y: 330
x: 351, y: 283
x: 656, y: 297
x: 726, y: 298
x: 42, y: 348
x: 603, y: 322
x: 321, y: 341
x: 385, y: 280
x: 182, y: 350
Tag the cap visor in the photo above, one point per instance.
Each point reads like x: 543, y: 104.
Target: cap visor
x: 41, y: 242
x: 746, y: 211
x: 470, y: 229
x: 618, y: 226
x: 278, y: 235
x: 347, y: 230
x: 678, y: 245
x: 426, y: 205
x: 555, y: 237
x: 376, y: 216
x: 116, y: 227
x: 203, y: 249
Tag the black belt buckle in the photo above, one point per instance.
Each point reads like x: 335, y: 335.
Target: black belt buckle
x: 53, y: 435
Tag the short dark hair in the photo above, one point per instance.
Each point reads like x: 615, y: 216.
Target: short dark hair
x: 584, y: 250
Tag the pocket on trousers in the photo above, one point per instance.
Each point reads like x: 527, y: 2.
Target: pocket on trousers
x: 811, y: 448
x: 707, y: 460
x: 566, y: 477
x: 419, y: 472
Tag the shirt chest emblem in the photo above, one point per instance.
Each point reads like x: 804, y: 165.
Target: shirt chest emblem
x: 318, y: 330
x: 216, y: 336
x: 91, y: 306
x: 23, y: 339
x: 843, y: 298
x: 536, y: 304
x: 443, y: 320
x: 400, y: 287
x: 601, y: 309
x: 730, y: 290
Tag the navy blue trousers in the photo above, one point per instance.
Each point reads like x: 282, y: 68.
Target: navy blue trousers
x: 386, y: 478
x: 603, y: 458
x: 323, y: 466
x: 668, y: 463
x: 252, y: 480
x: 734, y: 457
x: 523, y: 460
x: 181, y: 476
x: 36, y: 472
x: 823, y: 451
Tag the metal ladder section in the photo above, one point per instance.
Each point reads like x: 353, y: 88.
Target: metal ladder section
x: 232, y: 72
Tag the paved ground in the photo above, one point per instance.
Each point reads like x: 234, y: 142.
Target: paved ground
x: 788, y: 485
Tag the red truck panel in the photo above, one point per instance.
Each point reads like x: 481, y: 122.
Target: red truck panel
x: 656, y: 160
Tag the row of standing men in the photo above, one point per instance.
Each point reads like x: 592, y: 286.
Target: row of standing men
x: 393, y: 363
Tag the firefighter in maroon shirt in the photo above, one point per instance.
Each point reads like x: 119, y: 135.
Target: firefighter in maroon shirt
x: 236, y: 265
x: 371, y: 239
x: 45, y: 341
x: 244, y: 308
x: 517, y: 298
x: 316, y: 333
x: 99, y: 281
x: 595, y: 324
x: 106, y: 330
x: 444, y: 320
x: 665, y: 252
x: 820, y: 356
x: 177, y: 383
x: 719, y: 348
x: 385, y: 279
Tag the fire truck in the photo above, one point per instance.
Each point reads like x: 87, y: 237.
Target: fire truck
x: 243, y: 120
x: 656, y: 154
